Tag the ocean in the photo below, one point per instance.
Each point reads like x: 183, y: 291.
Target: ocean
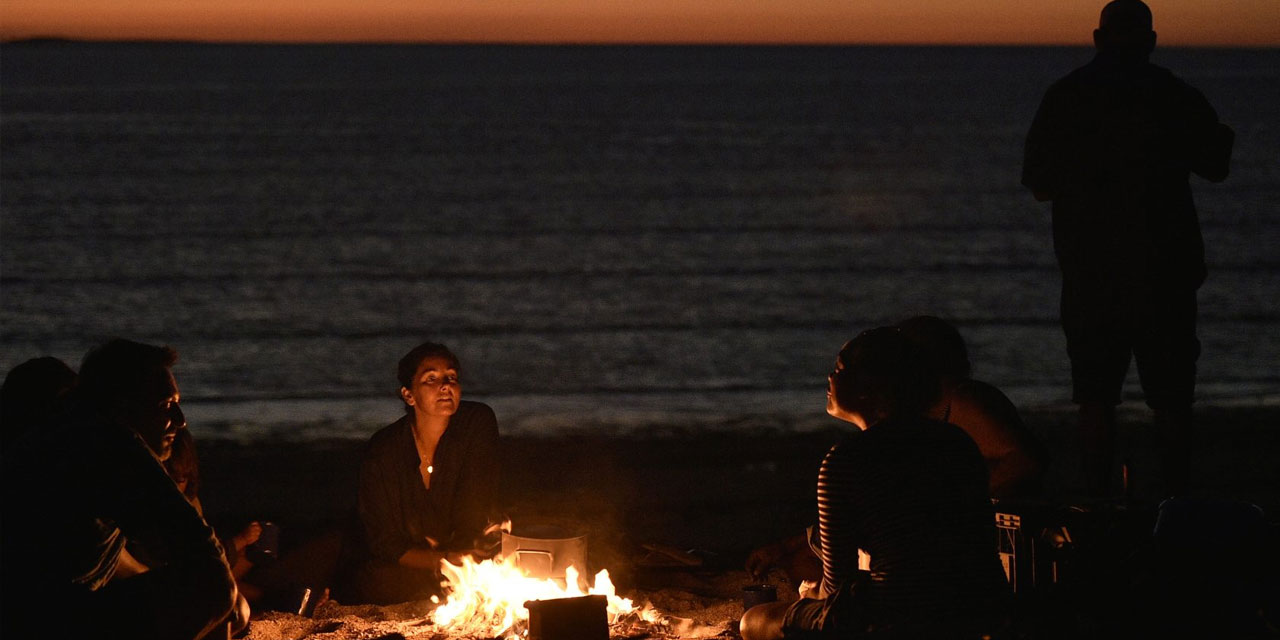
x: 631, y: 239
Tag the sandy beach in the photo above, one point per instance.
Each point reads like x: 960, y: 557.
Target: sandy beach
x: 716, y: 494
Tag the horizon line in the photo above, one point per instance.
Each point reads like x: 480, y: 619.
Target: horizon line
x: 51, y: 40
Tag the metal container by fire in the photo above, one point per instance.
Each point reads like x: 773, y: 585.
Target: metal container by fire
x: 545, y: 551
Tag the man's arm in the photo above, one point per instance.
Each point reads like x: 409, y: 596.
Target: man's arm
x: 1044, y: 159
x: 1036, y: 171
x: 129, y: 566
x: 1212, y: 160
x: 149, y: 508
x: 194, y: 577
x: 1210, y: 141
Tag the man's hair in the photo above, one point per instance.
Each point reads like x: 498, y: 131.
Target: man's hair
x: 940, y: 343
x: 411, y: 361
x: 884, y: 375
x: 120, y: 370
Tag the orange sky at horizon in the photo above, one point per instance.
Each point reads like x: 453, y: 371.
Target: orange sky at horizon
x: 1019, y: 22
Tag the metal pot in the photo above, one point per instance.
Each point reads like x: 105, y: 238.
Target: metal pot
x: 545, y: 551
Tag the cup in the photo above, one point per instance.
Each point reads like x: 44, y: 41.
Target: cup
x: 267, y: 548
x: 756, y: 594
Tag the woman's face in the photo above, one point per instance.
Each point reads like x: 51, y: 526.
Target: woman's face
x: 435, y: 390
x: 833, y: 407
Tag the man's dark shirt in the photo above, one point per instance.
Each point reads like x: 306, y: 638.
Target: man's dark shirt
x: 397, y: 512
x: 1113, y: 145
x: 74, y: 493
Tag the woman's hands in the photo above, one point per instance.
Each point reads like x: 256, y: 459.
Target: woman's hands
x: 792, y: 555
x: 765, y: 558
x: 247, y: 536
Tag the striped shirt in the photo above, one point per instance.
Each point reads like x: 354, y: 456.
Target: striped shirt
x: 913, y: 494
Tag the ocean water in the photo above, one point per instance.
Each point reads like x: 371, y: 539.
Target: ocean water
x: 628, y: 238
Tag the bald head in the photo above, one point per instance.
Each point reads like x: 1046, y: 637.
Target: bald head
x: 1124, y: 29
x: 1125, y: 15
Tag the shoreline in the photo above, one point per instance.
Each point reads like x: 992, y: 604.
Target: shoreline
x: 626, y: 415
x: 722, y: 490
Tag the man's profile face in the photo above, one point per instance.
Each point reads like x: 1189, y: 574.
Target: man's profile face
x: 156, y: 416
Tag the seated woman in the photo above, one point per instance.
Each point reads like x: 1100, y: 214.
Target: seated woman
x: 1016, y: 458
x: 909, y: 491
x: 427, y: 484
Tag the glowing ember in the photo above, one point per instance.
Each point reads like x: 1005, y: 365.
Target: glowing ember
x: 487, y: 598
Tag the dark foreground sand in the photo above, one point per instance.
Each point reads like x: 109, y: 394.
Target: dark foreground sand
x: 715, y: 494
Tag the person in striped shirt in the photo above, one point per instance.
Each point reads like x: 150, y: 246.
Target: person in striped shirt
x: 910, y: 492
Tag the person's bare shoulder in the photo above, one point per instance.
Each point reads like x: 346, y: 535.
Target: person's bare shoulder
x: 986, y: 414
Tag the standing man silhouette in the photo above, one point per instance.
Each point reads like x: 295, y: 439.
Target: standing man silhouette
x: 1113, y: 145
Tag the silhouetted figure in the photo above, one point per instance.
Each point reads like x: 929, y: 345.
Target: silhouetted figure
x: 427, y: 483
x: 909, y: 491
x: 33, y: 393
x: 1016, y: 458
x: 74, y: 495
x: 1113, y: 145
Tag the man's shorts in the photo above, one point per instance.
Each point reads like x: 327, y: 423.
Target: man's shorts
x: 1157, y: 329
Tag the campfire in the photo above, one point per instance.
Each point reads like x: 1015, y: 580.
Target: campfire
x: 487, y: 599
x: 530, y: 591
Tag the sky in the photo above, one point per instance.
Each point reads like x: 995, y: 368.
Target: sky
x: 1178, y: 22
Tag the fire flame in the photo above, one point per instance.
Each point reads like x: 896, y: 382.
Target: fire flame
x: 488, y: 597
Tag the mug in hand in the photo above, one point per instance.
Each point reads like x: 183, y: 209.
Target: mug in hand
x: 267, y: 547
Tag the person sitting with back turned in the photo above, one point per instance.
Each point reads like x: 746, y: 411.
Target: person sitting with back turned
x: 427, y: 483
x: 1113, y: 145
x: 1016, y: 458
x: 82, y: 490
x: 909, y: 491
x: 33, y: 394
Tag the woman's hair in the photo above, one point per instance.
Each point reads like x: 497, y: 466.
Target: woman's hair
x: 883, y: 375
x: 184, y: 465
x: 411, y: 361
x: 33, y: 393
x: 939, y: 343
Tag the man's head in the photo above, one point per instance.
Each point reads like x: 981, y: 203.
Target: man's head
x: 940, y: 343
x: 129, y: 384
x: 1124, y: 30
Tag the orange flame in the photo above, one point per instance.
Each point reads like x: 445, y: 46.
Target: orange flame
x: 488, y: 597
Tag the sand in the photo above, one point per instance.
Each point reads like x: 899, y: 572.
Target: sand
x: 715, y: 494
